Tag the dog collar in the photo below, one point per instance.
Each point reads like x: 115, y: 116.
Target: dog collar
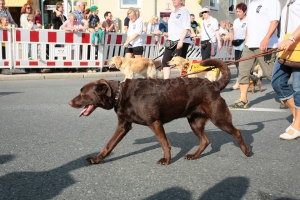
x: 118, y: 94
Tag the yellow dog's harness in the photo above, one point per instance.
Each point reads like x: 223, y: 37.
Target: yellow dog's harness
x: 196, y: 66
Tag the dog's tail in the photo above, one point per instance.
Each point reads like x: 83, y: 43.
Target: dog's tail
x: 226, y: 75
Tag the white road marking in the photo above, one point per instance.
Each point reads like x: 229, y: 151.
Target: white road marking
x: 262, y: 109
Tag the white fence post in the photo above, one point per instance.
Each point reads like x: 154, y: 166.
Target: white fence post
x: 6, y: 40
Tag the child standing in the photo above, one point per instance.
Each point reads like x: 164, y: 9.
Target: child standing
x: 32, y: 26
x: 94, y: 25
x: 4, y: 24
x: 38, y: 18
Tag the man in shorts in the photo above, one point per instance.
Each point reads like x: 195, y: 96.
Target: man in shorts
x: 261, y: 35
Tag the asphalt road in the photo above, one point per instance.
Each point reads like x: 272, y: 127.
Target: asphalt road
x: 44, y: 145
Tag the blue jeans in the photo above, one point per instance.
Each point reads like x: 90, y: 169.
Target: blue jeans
x: 280, y: 78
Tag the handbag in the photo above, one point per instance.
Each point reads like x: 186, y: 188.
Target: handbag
x: 237, y: 43
x: 204, y: 43
x: 290, y: 57
x: 213, y: 50
x: 169, y: 44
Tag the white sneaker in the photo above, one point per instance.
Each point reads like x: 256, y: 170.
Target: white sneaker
x: 29, y: 58
x: 39, y: 59
x: 286, y: 136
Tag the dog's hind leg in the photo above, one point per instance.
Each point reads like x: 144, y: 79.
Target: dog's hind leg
x: 221, y: 117
x: 197, y: 124
x: 122, y: 129
x: 159, y: 131
x: 259, y: 85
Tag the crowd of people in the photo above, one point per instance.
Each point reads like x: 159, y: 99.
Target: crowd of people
x: 255, y: 30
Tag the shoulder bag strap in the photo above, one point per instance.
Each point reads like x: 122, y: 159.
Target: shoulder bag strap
x: 205, y: 30
x: 287, y: 16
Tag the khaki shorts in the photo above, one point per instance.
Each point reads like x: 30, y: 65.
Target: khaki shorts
x: 265, y: 62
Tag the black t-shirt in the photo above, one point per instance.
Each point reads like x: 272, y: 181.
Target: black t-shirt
x: 93, y: 21
x: 126, y: 21
x: 194, y: 25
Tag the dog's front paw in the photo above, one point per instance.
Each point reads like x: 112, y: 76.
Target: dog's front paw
x: 164, y: 161
x: 94, y: 160
x: 190, y: 157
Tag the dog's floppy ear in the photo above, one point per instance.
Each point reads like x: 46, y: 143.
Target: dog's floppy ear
x: 103, y: 88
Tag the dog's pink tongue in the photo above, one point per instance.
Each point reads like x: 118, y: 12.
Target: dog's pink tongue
x: 84, y: 109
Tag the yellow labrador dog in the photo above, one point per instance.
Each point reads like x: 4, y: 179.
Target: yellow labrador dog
x: 184, y: 66
x: 131, y: 66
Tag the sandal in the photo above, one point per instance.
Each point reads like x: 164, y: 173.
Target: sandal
x: 286, y: 136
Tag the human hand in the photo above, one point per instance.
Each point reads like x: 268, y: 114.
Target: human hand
x: 230, y: 50
x: 219, y: 45
x: 180, y: 44
x: 285, y: 44
x: 126, y: 44
x: 58, y: 13
x: 264, y: 45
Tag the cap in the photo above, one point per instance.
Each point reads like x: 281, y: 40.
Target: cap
x: 166, y: 15
x: 93, y: 8
x: 205, y: 9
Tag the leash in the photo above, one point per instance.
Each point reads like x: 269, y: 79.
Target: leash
x: 270, y: 51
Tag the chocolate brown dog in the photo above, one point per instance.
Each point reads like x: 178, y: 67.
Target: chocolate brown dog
x: 154, y: 102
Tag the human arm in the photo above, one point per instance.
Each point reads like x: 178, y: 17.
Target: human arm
x: 23, y: 21
x: 285, y: 44
x: 163, y: 29
x: 183, y: 35
x: 218, y: 39
x: 10, y: 19
x: 126, y: 24
x: 130, y: 39
x: 264, y: 43
x: 198, y: 29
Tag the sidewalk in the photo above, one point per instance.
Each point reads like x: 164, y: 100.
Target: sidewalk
x: 42, y: 76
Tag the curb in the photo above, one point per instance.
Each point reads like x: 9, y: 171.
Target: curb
x: 42, y: 76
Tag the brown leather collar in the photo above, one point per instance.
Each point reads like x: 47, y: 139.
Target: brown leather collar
x: 118, y: 95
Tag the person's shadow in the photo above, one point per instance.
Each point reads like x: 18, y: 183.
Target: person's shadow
x: 38, y: 185
x: 229, y: 188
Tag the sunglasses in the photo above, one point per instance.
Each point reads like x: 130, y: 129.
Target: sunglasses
x: 205, y: 12
x: 28, y: 8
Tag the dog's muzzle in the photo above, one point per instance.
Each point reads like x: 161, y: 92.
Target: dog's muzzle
x: 112, y: 66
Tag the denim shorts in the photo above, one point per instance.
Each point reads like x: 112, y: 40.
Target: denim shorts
x: 280, y: 78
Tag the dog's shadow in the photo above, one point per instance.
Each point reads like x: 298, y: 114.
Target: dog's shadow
x: 187, y: 141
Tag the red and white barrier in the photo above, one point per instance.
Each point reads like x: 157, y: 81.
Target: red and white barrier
x: 5, y: 38
x: 223, y: 54
x: 113, y: 46
x: 58, y: 49
x: 61, y: 49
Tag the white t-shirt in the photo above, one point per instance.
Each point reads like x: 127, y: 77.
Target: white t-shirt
x: 178, y: 22
x: 135, y: 28
x: 239, y: 28
x: 260, y: 15
x: 211, y: 25
x: 152, y: 27
x: 294, y: 18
